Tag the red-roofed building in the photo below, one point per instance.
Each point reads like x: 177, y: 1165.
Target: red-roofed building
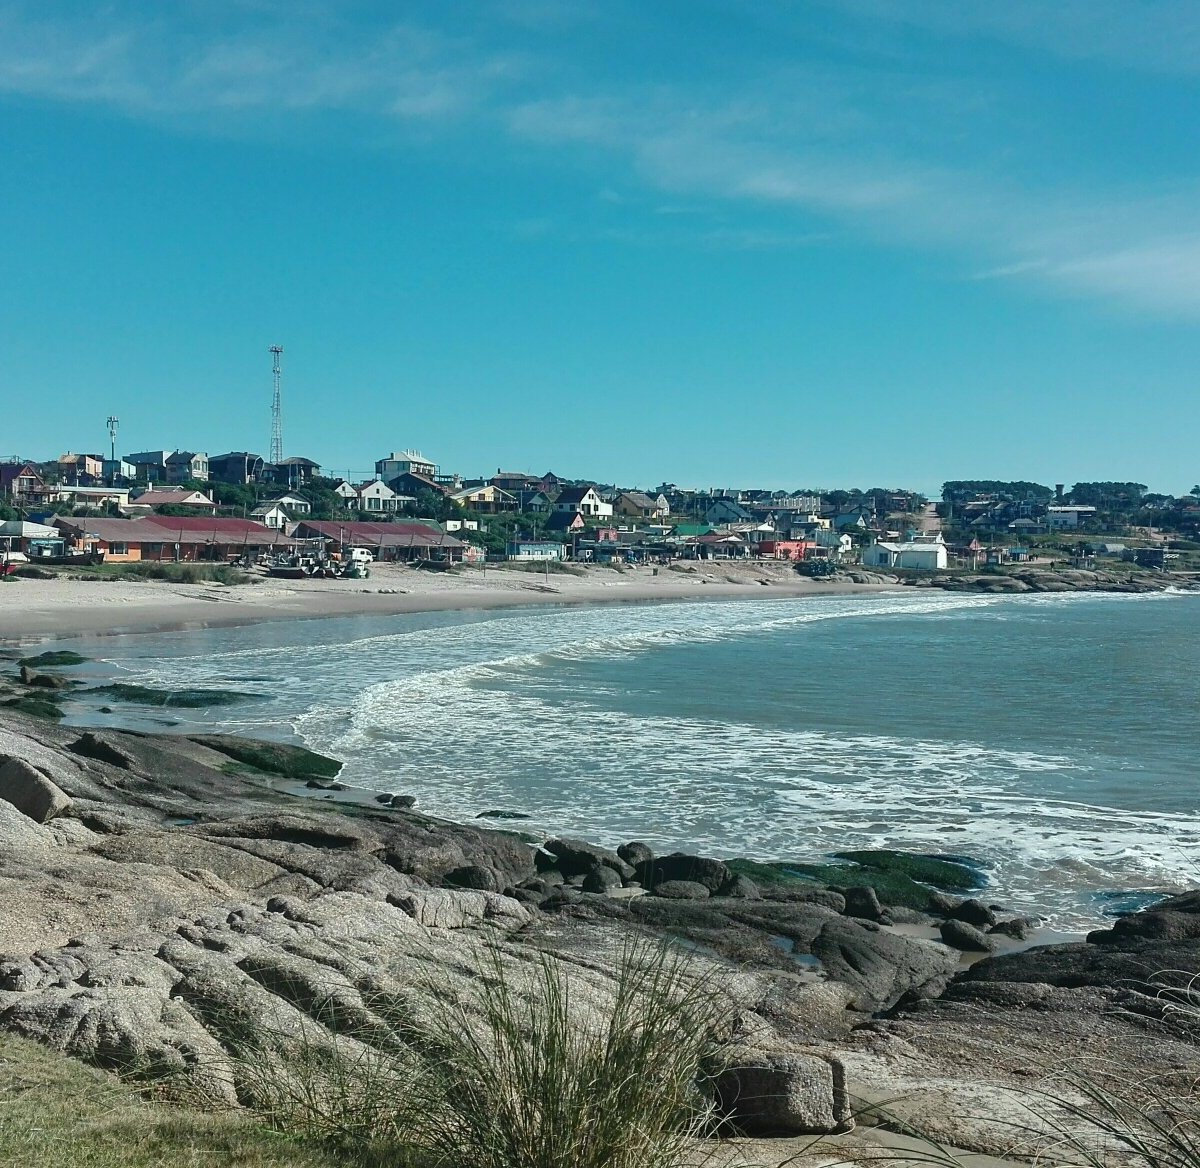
x: 389, y: 541
x: 171, y: 539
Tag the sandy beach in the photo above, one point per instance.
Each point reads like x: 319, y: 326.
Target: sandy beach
x: 40, y: 609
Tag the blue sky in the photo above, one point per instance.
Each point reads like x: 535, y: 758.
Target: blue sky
x: 832, y: 242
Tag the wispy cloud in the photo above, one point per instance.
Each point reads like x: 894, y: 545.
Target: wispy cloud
x: 886, y: 148
x: 1160, y: 36
x: 149, y: 66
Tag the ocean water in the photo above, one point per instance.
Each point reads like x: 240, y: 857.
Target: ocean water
x: 1053, y: 738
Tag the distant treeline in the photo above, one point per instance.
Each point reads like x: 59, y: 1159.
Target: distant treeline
x: 1100, y: 494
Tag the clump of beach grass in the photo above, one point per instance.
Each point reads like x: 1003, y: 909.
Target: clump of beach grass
x: 514, y: 1073
x: 194, y: 573
x: 525, y: 1079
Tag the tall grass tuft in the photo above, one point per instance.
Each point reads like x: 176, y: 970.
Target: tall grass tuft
x: 535, y: 1080
x: 517, y: 1072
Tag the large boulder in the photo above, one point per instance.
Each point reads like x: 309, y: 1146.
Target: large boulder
x: 782, y: 1093
x: 1151, y: 925
x: 43, y: 680
x: 881, y: 967
x: 30, y: 792
x: 577, y: 858
x: 713, y: 874
x: 635, y: 852
x: 974, y: 912
x: 967, y: 938
x: 1146, y: 967
x: 863, y: 901
x: 681, y: 890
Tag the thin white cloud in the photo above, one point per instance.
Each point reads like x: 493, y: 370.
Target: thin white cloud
x: 898, y: 155
x: 149, y: 67
x: 1161, y: 36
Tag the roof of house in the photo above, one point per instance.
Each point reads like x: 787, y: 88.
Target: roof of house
x: 564, y: 520
x: 267, y: 508
x: 408, y: 456
x: 19, y: 529
x: 378, y: 484
x: 911, y: 546
x: 639, y: 499
x: 169, y: 529
x: 719, y: 537
x: 180, y: 456
x: 294, y: 461
x: 160, y: 498
x: 235, y: 454
x: 412, y: 534
x: 12, y: 471
x: 572, y: 495
x: 422, y: 481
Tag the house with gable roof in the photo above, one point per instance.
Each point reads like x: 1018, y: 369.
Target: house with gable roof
x: 585, y: 500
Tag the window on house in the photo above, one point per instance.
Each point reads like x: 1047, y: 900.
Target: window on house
x: 119, y: 549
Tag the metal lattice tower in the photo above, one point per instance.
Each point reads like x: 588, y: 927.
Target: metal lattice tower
x: 276, y: 352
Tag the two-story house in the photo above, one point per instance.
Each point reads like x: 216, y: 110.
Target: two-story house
x: 21, y: 483
x: 585, y: 500
x: 187, y: 466
x: 238, y: 468
x: 402, y: 462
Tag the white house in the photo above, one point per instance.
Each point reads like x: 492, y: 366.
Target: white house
x: 1058, y: 518
x: 295, y: 504
x: 273, y: 515
x: 585, y: 500
x: 345, y: 491
x: 376, y: 496
x: 923, y: 555
x: 401, y: 462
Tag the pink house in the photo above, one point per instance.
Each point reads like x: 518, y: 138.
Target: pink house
x: 785, y: 549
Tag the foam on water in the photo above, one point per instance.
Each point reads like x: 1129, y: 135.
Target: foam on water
x: 551, y: 713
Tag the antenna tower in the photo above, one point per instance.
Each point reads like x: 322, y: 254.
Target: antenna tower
x: 113, y: 423
x: 276, y: 352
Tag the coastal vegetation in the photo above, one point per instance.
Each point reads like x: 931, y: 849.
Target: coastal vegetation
x: 56, y: 1111
x: 514, y: 1074
x: 199, y: 573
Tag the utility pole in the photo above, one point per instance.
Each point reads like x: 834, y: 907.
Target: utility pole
x: 276, y: 352
x: 113, y: 424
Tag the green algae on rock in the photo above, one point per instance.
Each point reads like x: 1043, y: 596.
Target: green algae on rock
x: 142, y: 695
x: 275, y: 758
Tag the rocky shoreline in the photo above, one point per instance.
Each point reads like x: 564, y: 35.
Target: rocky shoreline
x: 154, y: 887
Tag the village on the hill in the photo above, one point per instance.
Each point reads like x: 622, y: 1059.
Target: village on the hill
x: 181, y: 506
